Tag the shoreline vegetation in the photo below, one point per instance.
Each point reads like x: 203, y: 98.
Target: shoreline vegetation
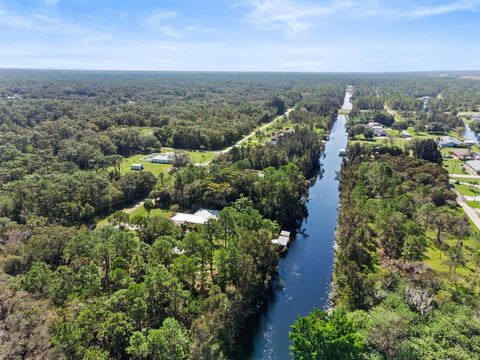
x: 407, y: 259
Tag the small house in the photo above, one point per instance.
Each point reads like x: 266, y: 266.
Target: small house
x: 448, y: 141
x: 461, y: 154
x: 473, y: 166
x: 165, y: 158
x: 136, y: 167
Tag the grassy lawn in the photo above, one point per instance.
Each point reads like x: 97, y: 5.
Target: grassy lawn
x: 468, y: 180
x: 387, y: 141
x: 454, y: 166
x: 200, y: 156
x: 474, y: 204
x: 466, y: 190
x: 140, y: 211
x: 435, y: 258
x: 155, y: 169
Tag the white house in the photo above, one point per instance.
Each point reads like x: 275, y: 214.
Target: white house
x: 200, y: 217
x: 164, y: 158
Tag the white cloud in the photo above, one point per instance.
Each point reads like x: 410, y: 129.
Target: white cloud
x: 423, y: 11
x: 167, y: 23
x: 294, y: 17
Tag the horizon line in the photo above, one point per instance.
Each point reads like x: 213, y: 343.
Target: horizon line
x: 245, y: 71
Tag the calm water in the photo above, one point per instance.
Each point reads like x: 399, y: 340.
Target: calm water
x: 305, y: 272
x: 470, y: 134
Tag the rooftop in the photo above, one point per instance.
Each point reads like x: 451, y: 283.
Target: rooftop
x: 474, y: 164
x: 200, y: 217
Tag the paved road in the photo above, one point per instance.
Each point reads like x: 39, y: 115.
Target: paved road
x: 465, y: 176
x: 471, y: 212
x: 245, y: 138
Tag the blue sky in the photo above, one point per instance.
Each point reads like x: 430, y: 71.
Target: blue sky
x: 241, y: 35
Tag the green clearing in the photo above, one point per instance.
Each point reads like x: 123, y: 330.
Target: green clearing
x: 155, y: 169
x: 454, y: 166
x: 466, y: 190
x: 140, y: 211
x: 436, y: 259
x: 201, y: 156
x: 386, y: 141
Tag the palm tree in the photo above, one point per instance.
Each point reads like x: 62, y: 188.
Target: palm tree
x: 148, y: 205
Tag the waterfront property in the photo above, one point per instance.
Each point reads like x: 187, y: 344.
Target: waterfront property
x: 378, y: 129
x: 283, y: 239
x: 200, y: 217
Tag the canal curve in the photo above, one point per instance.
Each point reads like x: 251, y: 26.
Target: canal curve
x: 305, y: 273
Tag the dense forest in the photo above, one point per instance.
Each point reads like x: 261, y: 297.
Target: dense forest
x: 387, y: 303
x: 140, y: 287
x: 62, y: 133
x: 82, y: 279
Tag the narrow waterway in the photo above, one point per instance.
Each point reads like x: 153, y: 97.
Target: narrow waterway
x: 470, y: 134
x: 305, y: 272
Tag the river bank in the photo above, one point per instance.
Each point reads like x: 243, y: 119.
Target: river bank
x: 304, y: 274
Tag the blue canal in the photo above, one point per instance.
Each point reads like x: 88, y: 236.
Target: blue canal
x: 305, y: 272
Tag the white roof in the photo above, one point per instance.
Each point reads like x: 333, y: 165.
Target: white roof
x: 449, y: 139
x: 207, y: 214
x: 164, y: 156
x: 188, y: 218
x: 283, y: 240
x: 200, y: 217
x: 474, y: 164
x: 137, y: 165
x: 285, y: 233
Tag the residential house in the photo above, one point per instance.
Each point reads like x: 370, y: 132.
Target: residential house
x: 164, y: 158
x: 200, y: 217
x: 448, y: 141
x: 473, y: 166
x: 461, y: 154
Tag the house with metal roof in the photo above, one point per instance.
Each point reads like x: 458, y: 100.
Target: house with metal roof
x: 200, y: 217
x: 448, y: 141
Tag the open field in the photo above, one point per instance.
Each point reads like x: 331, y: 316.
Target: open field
x: 155, y: 169
x: 140, y: 211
